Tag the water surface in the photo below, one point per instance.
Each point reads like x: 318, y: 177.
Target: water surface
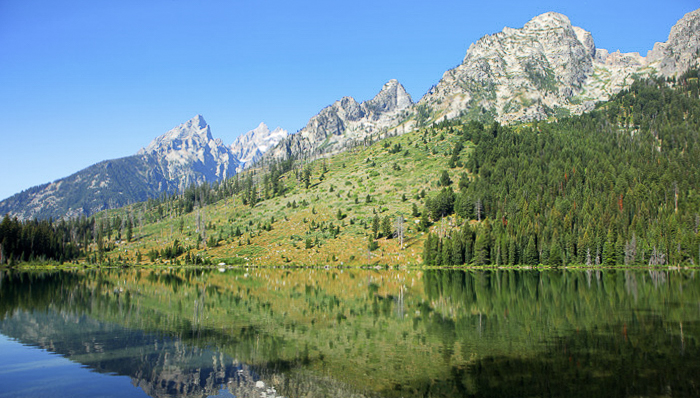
x: 349, y: 333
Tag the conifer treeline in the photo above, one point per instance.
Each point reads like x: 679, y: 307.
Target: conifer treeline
x: 67, y: 240
x: 616, y: 186
x: 42, y: 240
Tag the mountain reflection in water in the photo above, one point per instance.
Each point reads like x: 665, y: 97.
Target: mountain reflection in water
x: 358, y: 333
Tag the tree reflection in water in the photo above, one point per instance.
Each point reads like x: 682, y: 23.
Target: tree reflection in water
x: 352, y: 333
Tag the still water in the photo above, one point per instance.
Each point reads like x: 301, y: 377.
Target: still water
x: 349, y: 333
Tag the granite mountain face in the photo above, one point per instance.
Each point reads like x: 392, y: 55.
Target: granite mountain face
x: 682, y: 49
x: 250, y: 147
x: 551, y: 68
x: 188, y: 154
x: 548, y: 68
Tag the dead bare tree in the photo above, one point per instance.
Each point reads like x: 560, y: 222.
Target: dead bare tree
x: 657, y: 257
x: 631, y: 251
x: 589, y: 262
x: 477, y: 209
x: 399, y: 233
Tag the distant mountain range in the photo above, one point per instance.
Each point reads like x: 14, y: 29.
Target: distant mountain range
x: 548, y: 68
x: 185, y: 155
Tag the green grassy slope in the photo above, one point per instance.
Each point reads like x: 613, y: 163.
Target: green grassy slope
x: 380, y: 181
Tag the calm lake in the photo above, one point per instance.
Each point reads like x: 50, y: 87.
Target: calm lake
x: 349, y: 333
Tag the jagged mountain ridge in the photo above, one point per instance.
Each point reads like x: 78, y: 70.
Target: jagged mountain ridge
x: 346, y: 122
x: 517, y: 72
x: 185, y: 155
x: 547, y: 68
x: 550, y: 68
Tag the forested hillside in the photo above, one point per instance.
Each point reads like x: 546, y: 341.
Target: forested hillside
x: 617, y: 186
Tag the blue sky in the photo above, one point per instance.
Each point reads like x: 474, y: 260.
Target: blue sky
x: 85, y: 81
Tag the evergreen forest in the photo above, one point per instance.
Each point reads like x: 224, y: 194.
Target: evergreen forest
x: 617, y: 186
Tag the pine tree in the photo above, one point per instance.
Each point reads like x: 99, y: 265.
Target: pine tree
x: 512, y: 252
x: 428, y: 254
x: 306, y: 176
x: 555, y: 254
x: 619, y: 250
x: 481, y: 248
x: 386, y: 227
x: 447, y: 252
x: 457, y: 250
x: 424, y: 221
x: 531, y: 257
x: 375, y: 226
x: 609, y: 255
x: 445, y: 179
x: 129, y: 230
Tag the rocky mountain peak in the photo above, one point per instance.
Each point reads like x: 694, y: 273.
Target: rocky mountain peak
x: 188, y: 153
x: 680, y: 51
x: 249, y: 147
x: 391, y: 97
x: 197, y: 121
x: 517, y: 74
x: 346, y: 122
x: 262, y: 129
x: 195, y: 126
x: 548, y: 21
x: 195, y: 131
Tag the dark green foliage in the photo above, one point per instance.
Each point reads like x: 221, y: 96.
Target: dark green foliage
x: 396, y: 148
x: 446, y: 252
x: 609, y: 257
x: 445, y: 180
x: 129, y: 230
x: 153, y: 254
x: 375, y: 226
x: 463, y: 182
x: 414, y: 210
x: 481, y: 248
x: 579, y: 190
x: 464, y: 206
x: 386, y: 227
x: 306, y: 176
x: 454, y: 159
x: 372, y: 244
x: 43, y: 240
x: 442, y: 204
x: 171, y: 252
x: 424, y: 221
x: 430, y: 250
